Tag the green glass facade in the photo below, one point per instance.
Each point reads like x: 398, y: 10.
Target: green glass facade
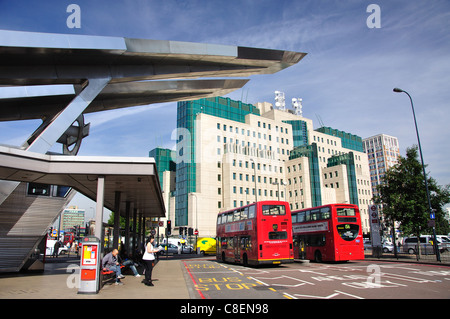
x: 164, y: 159
x: 310, y: 151
x: 299, y: 132
x: 348, y: 160
x: 186, y: 169
x: 350, y: 141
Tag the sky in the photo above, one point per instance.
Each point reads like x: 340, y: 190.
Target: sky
x: 346, y: 79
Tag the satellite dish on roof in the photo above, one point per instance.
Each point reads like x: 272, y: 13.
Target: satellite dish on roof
x: 297, y: 106
x: 279, y: 100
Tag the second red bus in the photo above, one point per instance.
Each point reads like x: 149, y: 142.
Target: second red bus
x: 328, y: 233
x: 255, y: 234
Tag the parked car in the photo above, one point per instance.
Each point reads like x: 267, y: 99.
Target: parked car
x: 173, y: 249
x: 426, y: 245
x: 168, y: 248
x: 388, y: 248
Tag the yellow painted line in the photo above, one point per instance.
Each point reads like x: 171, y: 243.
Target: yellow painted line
x: 272, y: 289
x: 286, y: 296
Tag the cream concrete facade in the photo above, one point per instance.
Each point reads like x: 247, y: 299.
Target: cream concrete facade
x: 383, y: 152
x: 239, y: 163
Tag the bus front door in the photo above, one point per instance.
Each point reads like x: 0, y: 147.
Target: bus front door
x: 302, y: 247
x: 237, y: 256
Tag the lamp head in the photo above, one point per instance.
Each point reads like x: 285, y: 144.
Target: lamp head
x: 398, y: 90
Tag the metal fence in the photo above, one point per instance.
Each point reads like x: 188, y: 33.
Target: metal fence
x: 410, y: 252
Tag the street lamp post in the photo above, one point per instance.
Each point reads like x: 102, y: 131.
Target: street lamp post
x: 196, y: 216
x: 397, y: 90
x: 277, y: 183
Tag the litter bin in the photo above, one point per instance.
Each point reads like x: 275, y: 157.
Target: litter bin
x: 90, y: 265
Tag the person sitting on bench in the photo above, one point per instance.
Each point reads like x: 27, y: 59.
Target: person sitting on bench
x: 110, y: 262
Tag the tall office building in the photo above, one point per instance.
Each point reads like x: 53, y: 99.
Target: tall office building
x: 382, y: 151
x: 231, y: 154
x: 72, y: 216
x: 165, y: 165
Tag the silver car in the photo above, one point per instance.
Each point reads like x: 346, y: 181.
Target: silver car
x: 426, y: 245
x: 168, y: 248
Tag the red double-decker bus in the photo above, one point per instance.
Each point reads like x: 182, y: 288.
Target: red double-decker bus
x: 255, y: 234
x: 328, y: 233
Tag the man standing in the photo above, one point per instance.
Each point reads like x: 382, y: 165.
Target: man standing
x: 56, y: 248
x: 110, y: 262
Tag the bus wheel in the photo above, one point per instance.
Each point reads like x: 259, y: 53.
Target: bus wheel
x: 317, y: 257
x: 411, y: 251
x: 245, y: 260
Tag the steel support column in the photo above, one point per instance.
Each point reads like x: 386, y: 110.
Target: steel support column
x: 127, y: 228
x: 99, y: 209
x: 116, y: 231
x: 63, y: 120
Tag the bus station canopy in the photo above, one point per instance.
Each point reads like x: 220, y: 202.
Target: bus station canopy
x: 140, y: 71
x: 135, y: 178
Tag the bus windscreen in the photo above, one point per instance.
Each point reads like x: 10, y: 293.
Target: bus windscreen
x: 344, y: 211
x: 273, y: 210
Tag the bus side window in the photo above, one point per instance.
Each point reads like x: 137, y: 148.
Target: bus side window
x: 308, y: 215
x: 301, y: 217
x: 244, y: 213
x: 230, y: 243
x: 245, y: 242
x: 229, y: 217
x: 294, y: 218
x: 251, y: 211
x: 325, y: 213
x: 315, y: 214
x: 237, y: 215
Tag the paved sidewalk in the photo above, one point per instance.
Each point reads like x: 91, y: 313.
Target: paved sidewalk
x: 56, y: 280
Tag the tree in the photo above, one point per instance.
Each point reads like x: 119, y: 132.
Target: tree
x: 404, y: 199
x: 122, y: 221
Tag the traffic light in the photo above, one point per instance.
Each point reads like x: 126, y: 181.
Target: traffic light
x: 169, y: 227
x: 190, y: 231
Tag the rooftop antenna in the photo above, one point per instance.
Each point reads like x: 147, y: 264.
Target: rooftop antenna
x: 297, y: 106
x: 320, y: 120
x: 280, y: 101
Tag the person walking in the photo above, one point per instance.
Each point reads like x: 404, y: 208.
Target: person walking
x: 149, y: 260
